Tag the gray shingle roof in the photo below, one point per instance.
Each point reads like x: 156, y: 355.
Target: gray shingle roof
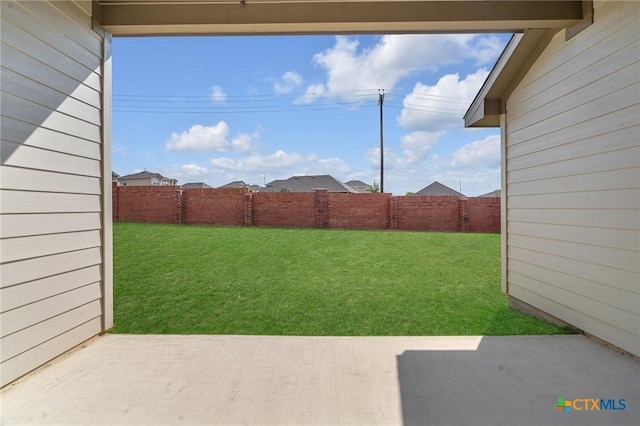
x: 494, y: 193
x: 436, y: 188
x: 235, y: 184
x: 196, y: 185
x: 307, y: 184
x: 357, y: 183
x: 144, y: 175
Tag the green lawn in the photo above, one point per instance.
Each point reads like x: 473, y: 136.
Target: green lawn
x: 214, y: 280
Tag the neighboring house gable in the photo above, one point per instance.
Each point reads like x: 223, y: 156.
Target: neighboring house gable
x: 146, y: 178
x: 235, y: 184
x: 191, y: 185
x: 358, y: 185
x: 436, y: 188
x: 274, y: 185
x: 494, y: 193
x: 307, y: 184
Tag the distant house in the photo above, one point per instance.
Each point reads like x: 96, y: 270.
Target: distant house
x: 307, y: 184
x: 236, y: 184
x: 494, y: 193
x: 274, y: 185
x: 195, y: 185
x: 115, y: 177
x: 146, y: 179
x: 242, y: 184
x: 358, y: 185
x: 436, y: 188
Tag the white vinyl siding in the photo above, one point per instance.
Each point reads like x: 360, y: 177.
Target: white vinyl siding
x: 573, y: 179
x: 51, y: 183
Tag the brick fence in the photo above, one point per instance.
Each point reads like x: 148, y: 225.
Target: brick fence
x: 319, y: 209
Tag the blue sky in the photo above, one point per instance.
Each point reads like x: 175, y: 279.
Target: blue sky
x: 260, y: 108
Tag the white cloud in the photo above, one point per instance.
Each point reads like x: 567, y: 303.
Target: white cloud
x: 486, y: 49
x: 218, y: 94
x: 279, y: 165
x: 416, y: 146
x: 390, y: 159
x: 277, y: 160
x: 186, y: 173
x: 226, y: 163
x: 329, y: 166
x: 242, y: 142
x: 194, y: 170
x: 484, y: 153
x: 373, y: 155
x: 443, y: 105
x: 350, y: 68
x: 290, y: 80
x: 475, y: 166
x: 201, y: 138
x: 313, y: 92
x: 415, y: 149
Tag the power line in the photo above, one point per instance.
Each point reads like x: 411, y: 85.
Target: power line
x: 185, y: 105
x: 204, y: 99
x: 144, y: 110
x: 250, y: 97
x: 434, y: 111
x: 251, y: 104
x: 256, y: 97
x: 427, y: 96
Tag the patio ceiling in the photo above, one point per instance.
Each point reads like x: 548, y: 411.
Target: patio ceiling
x: 164, y: 17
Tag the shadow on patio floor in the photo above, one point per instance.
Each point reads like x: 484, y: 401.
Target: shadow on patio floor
x: 516, y: 380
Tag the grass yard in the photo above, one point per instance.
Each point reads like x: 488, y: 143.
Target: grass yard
x: 215, y: 280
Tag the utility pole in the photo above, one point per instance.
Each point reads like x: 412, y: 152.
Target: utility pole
x: 381, y: 103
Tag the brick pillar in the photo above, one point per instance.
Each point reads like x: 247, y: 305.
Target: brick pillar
x: 464, y: 215
x: 322, y: 208
x: 114, y: 202
x: 248, y: 209
x: 393, y: 213
x: 179, y: 206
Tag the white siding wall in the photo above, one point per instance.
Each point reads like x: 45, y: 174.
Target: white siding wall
x: 573, y: 179
x: 51, y: 211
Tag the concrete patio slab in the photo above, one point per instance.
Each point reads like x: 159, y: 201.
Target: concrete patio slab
x: 150, y: 379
